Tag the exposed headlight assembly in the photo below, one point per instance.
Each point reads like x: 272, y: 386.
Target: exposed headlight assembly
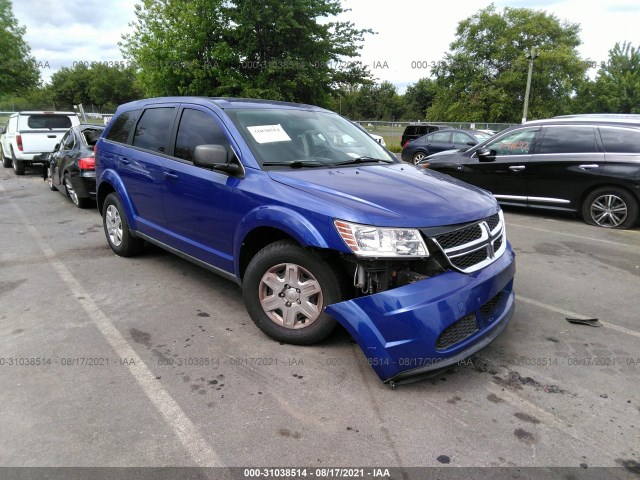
x: 370, y: 241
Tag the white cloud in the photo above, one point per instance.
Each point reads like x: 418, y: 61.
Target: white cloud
x: 409, y: 31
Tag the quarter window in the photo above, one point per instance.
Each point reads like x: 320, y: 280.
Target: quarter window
x: 122, y: 126
x: 569, y: 140
x: 154, y: 129
x: 620, y: 140
x: 515, y: 143
x: 68, y: 141
x: 197, y: 128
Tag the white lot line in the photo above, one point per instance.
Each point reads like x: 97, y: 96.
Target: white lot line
x: 196, y: 446
x: 581, y: 237
x: 571, y: 314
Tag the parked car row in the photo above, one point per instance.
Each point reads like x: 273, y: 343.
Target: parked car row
x: 71, y: 167
x: 451, y: 139
x: 586, y: 164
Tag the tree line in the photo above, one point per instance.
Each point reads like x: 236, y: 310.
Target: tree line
x: 298, y: 51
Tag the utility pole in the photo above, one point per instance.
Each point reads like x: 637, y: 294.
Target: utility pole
x: 531, y: 55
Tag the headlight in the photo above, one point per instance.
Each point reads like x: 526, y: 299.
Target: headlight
x: 370, y: 241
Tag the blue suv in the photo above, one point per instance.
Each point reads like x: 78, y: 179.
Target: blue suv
x: 316, y: 221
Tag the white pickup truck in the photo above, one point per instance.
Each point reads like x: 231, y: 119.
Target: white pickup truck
x: 29, y: 137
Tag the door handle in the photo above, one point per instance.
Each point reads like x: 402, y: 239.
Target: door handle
x: 589, y: 166
x: 51, y: 136
x: 170, y: 176
x: 125, y: 160
x: 517, y: 168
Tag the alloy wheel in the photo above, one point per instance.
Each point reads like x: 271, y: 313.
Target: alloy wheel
x: 290, y: 296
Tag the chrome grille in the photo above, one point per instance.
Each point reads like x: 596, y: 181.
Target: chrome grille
x: 493, y: 221
x: 457, y: 332
x: 460, y: 237
x: 472, y: 247
x: 469, y: 260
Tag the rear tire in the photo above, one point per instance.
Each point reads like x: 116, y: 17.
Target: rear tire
x: 610, y: 207
x: 52, y: 187
x: 18, y: 166
x: 116, y: 228
x: 73, y: 195
x: 286, y: 289
x: 6, y: 161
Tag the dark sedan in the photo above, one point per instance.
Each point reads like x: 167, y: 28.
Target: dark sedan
x: 454, y: 139
x: 587, y: 165
x: 72, y: 168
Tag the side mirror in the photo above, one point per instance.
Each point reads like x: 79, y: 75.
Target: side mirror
x: 486, y: 155
x: 214, y: 157
x: 472, y: 144
x: 4, y: 130
x: 57, y: 147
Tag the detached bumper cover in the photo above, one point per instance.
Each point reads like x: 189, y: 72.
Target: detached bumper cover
x: 431, y: 324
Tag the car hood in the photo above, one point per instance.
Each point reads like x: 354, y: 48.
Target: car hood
x: 392, y: 195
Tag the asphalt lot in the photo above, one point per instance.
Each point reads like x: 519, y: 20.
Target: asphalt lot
x: 153, y: 361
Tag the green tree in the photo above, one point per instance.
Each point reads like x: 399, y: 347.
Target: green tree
x: 102, y: 86
x: 18, y: 70
x: 616, y: 88
x: 484, y: 76
x: 379, y: 101
x: 419, y: 97
x: 253, y: 48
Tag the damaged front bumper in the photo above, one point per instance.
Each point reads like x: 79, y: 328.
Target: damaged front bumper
x: 414, y: 330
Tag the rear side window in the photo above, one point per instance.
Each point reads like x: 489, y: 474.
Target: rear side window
x: 460, y: 137
x: 49, y: 121
x: 441, y: 137
x: 569, y: 140
x: 122, y: 126
x: 197, y: 128
x: 154, y: 129
x: 620, y: 140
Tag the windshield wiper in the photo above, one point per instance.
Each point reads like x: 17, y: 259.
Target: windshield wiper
x: 296, y: 164
x: 364, y: 160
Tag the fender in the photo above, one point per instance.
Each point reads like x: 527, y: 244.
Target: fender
x: 110, y: 177
x: 282, y: 218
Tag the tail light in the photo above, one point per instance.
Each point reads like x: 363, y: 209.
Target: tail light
x: 19, y: 142
x: 87, y: 163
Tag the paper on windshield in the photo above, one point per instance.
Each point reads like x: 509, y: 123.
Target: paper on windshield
x: 269, y: 133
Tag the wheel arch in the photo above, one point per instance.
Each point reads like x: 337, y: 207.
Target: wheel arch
x: 110, y: 183
x: 265, y: 225
x: 593, y: 188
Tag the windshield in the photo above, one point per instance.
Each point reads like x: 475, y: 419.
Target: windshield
x: 282, y: 138
x: 481, y: 136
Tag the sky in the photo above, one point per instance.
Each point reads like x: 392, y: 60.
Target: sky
x: 411, y: 34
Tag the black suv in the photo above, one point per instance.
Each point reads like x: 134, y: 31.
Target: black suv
x: 413, y: 131
x: 586, y: 164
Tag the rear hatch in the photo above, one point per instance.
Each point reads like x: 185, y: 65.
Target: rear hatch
x: 41, y: 131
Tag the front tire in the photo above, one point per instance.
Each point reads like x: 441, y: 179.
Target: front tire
x: 116, y: 228
x: 610, y: 207
x: 18, y: 166
x: 286, y: 288
x: 418, y: 157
